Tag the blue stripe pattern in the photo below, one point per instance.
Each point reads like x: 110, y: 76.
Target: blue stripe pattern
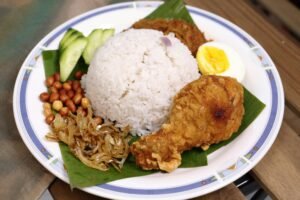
x: 236, y: 32
x: 25, y: 119
x: 271, y: 120
x: 159, y: 191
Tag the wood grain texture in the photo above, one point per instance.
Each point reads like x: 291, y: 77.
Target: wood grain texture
x: 22, y: 168
x: 230, y: 192
x: 292, y: 118
x: 61, y: 191
x: 22, y: 177
x: 72, y: 8
x: 285, y: 11
x: 278, y: 172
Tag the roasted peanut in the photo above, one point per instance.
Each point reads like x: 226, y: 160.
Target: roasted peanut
x: 49, y: 81
x: 63, y: 97
x: 57, y: 105
x: 62, y: 91
x: 47, y: 106
x: 64, y: 111
x: 56, y: 76
x: 57, y: 85
x: 47, y: 112
x: 77, y: 98
x: 44, y: 96
x: 98, y: 120
x: 71, y: 106
x: 53, y: 96
x: 85, y: 102
x: 47, y: 109
x: 78, y: 75
x: 67, y: 86
x: 75, y: 85
x: 79, y: 90
x: 52, y: 89
x: 49, y: 119
x: 70, y: 94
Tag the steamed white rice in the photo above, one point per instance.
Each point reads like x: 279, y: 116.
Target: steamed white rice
x: 134, y: 76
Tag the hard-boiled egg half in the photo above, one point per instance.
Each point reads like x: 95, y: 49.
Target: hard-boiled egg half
x: 216, y: 58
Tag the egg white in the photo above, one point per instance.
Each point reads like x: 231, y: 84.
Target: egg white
x: 236, y: 67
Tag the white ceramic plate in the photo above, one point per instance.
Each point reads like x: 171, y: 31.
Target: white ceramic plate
x: 224, y: 166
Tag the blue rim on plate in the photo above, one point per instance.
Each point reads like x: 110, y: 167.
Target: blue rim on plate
x: 241, y: 166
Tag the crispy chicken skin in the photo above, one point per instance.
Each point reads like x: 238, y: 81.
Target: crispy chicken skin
x: 204, y: 112
x: 188, y: 34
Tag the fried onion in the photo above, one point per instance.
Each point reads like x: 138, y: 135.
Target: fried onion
x: 97, y: 146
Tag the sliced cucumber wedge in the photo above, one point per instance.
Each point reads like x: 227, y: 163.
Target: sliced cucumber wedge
x: 73, y: 37
x: 70, y: 56
x: 68, y: 33
x: 95, y: 40
x: 107, y: 33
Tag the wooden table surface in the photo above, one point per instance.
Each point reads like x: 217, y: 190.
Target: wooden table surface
x: 24, y: 22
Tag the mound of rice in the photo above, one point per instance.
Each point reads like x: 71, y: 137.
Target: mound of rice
x: 134, y: 76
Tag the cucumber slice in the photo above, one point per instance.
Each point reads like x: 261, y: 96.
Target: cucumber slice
x: 66, y: 36
x: 70, y: 40
x: 95, y: 40
x: 70, y: 57
x: 107, y: 33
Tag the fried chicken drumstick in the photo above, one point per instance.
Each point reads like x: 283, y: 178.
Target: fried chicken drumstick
x: 204, y: 112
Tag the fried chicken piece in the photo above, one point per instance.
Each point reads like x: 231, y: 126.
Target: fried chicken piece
x: 204, y: 112
x: 187, y: 33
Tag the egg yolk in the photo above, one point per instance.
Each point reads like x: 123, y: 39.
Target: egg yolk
x: 212, y: 60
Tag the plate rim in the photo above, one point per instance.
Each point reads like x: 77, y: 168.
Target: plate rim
x: 192, y: 9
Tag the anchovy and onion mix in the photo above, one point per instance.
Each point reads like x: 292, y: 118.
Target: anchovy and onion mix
x: 97, y: 146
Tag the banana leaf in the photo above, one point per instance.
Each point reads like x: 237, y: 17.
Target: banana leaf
x: 82, y: 176
x: 172, y: 9
x: 51, y: 64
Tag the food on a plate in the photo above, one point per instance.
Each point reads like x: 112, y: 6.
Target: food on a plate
x: 69, y: 114
x: 95, y: 40
x: 131, y: 81
x: 70, y: 36
x: 70, y: 56
x: 187, y: 33
x: 206, y: 111
x: 97, y: 145
x: 216, y: 58
x: 63, y: 97
x: 134, y: 76
x: 74, y: 44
